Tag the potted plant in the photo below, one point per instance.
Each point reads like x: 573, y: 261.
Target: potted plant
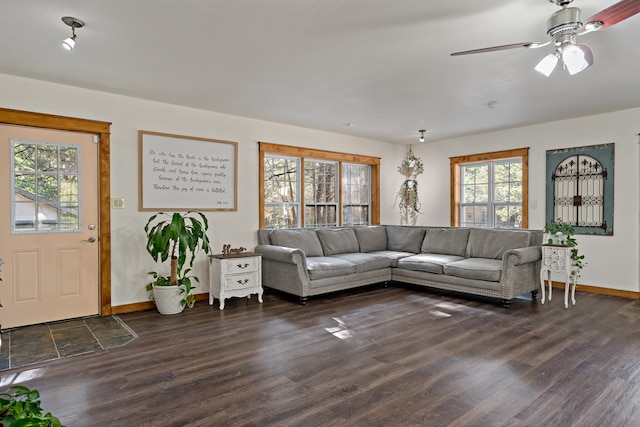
x: 20, y: 406
x: 561, y: 233
x: 409, y: 203
x: 177, y: 237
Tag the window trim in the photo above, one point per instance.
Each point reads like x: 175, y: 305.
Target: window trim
x: 456, y: 162
x: 312, y: 153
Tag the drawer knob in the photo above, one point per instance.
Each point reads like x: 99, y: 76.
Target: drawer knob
x: 245, y: 265
x: 243, y: 281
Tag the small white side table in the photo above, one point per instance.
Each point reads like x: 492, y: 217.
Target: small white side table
x: 235, y: 276
x: 557, y: 258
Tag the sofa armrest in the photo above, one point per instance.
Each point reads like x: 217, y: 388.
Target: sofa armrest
x: 285, y: 269
x: 281, y: 253
x: 524, y: 255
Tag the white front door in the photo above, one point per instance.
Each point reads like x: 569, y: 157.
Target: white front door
x: 48, y: 225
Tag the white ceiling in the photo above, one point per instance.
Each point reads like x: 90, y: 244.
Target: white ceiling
x: 381, y: 65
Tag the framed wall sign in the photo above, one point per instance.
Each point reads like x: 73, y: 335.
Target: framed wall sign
x: 181, y: 173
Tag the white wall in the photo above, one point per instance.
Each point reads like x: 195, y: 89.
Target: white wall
x: 612, y: 261
x: 130, y: 262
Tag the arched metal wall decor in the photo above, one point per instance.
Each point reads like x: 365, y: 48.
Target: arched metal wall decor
x: 579, y: 184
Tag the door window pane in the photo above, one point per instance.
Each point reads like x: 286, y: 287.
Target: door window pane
x: 46, y: 189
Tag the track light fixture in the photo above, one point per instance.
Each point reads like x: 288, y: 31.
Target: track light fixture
x: 422, y: 131
x: 70, y: 42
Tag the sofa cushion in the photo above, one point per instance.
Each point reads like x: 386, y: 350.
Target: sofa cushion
x: 488, y: 243
x: 448, y: 241
x: 404, y: 239
x: 365, y: 262
x: 431, y: 263
x: 371, y: 239
x: 392, y: 256
x: 323, y: 267
x: 306, y: 240
x: 338, y: 240
x: 475, y: 268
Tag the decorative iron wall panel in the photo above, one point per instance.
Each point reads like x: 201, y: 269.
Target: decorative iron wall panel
x: 579, y: 184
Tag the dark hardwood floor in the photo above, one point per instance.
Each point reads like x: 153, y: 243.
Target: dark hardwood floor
x: 374, y: 357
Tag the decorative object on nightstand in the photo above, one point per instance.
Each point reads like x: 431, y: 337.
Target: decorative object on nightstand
x: 560, y: 254
x: 228, y: 250
x: 235, y: 275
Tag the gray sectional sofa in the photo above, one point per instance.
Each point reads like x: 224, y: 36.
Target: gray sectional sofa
x: 495, y: 263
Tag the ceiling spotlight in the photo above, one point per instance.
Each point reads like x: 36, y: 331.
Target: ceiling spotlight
x: 422, y: 131
x: 70, y: 42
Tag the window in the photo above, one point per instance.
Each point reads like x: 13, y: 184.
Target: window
x: 320, y: 193
x: 355, y: 194
x: 281, y: 205
x: 46, y: 187
x: 337, y: 189
x: 490, y: 190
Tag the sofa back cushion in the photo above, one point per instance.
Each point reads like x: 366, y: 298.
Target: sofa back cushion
x: 446, y: 241
x: 404, y: 239
x: 489, y: 243
x: 306, y: 240
x: 338, y: 241
x: 371, y: 238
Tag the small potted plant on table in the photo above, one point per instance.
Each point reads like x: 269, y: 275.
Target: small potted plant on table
x: 177, y: 237
x: 561, y: 233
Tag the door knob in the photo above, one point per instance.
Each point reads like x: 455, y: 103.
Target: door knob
x: 90, y: 239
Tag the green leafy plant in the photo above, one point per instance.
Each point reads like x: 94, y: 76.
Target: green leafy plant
x: 177, y: 237
x: 561, y: 232
x: 20, y: 407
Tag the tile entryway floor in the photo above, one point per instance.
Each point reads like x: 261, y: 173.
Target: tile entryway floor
x: 50, y: 341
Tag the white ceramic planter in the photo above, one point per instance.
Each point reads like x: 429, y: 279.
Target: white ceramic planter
x: 167, y: 299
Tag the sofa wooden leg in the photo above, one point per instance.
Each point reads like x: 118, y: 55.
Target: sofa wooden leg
x: 506, y: 303
x: 303, y: 300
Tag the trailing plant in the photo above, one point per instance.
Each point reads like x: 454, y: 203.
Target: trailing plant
x: 20, y: 407
x: 177, y: 237
x: 408, y: 195
x: 561, y: 233
x: 409, y: 203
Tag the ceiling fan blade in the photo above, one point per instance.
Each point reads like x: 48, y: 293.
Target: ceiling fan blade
x: 616, y: 13
x: 530, y: 45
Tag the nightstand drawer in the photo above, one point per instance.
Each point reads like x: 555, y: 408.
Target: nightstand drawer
x: 241, y: 281
x: 240, y: 265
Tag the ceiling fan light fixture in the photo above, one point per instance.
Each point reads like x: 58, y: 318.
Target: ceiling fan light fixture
x: 547, y: 64
x: 577, y: 58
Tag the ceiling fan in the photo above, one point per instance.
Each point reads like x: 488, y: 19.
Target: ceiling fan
x: 564, y: 27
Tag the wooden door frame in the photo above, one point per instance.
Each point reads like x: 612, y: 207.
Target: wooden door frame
x: 103, y: 130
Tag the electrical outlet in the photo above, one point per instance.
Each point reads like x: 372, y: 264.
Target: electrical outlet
x: 117, y: 203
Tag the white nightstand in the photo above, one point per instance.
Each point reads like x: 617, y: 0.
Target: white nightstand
x: 235, y: 276
x: 556, y: 258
